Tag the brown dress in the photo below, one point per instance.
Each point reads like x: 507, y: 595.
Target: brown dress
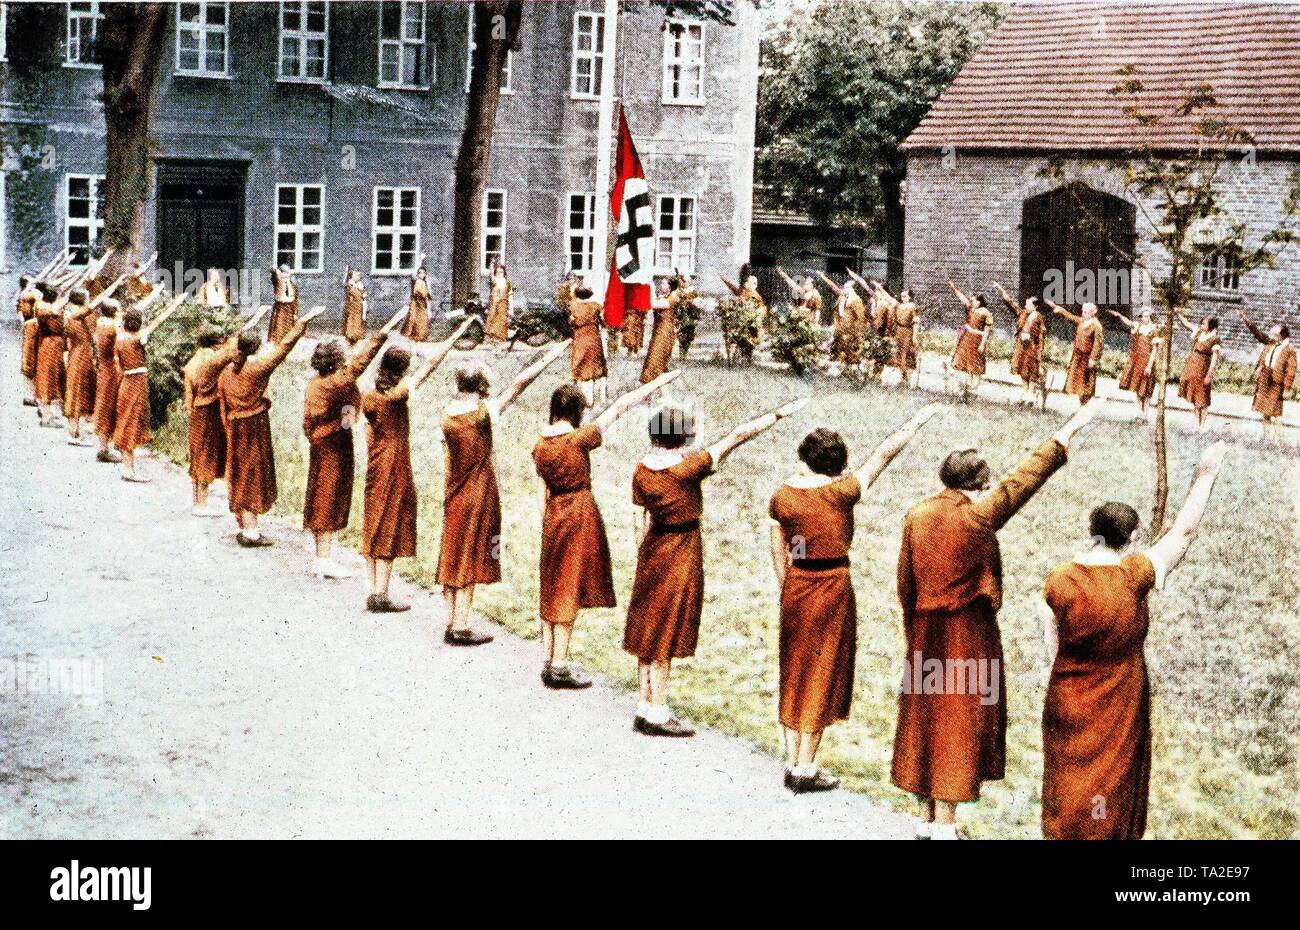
x: 471, y: 507
x: 284, y: 310
x: 79, y: 391
x: 49, y: 353
x: 1081, y: 376
x: 131, y: 419
x: 330, y: 461
x: 586, y: 354
x: 250, y: 456
x: 107, y: 378
x: 388, y: 523
x: 1027, y: 357
x: 31, y: 330
x: 663, y: 616
x: 207, y: 434
x: 663, y: 336
x: 354, y: 312
x: 903, y: 322
x: 950, y: 739
x: 850, y: 323
x: 1191, y: 386
x: 497, y: 327
x: 969, y: 357
x: 819, y: 615
x: 416, y: 325
x: 1274, y: 378
x: 633, y: 330
x: 1136, y: 377
x: 1097, y: 715
x: 575, y: 563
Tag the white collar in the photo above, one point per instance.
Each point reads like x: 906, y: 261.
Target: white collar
x: 458, y: 406
x: 1098, y: 555
x: 557, y: 429
x: 806, y: 479
x: 659, y: 459
x: 1208, y: 334
x: 1282, y: 344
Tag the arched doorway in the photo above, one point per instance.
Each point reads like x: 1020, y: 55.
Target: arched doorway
x: 1076, y: 245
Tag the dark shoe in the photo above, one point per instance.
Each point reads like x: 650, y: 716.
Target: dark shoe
x: 466, y: 638
x: 565, y: 678
x: 249, y: 543
x: 29, y: 402
x: 638, y: 724
x: 104, y: 455
x: 806, y: 784
x: 382, y: 604
x: 789, y: 779
x: 670, y: 727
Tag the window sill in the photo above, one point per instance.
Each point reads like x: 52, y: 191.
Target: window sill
x: 1222, y: 297
x: 418, y: 87
x: 318, y: 82
x: 82, y: 66
x: 683, y: 103
x: 396, y: 273
x: 591, y: 97
x: 203, y: 75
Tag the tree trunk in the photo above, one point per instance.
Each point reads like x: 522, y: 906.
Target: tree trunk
x: 496, y: 28
x: 1162, y: 366
x: 893, y: 229
x: 130, y: 44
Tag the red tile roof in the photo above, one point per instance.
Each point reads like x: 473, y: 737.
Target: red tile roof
x: 1041, y: 81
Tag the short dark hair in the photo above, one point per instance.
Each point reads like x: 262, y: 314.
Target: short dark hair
x: 48, y: 290
x: 823, y: 450
x: 328, y: 356
x: 249, y: 342
x: 132, y: 320
x: 1211, y: 323
x: 209, y: 336
x: 393, y: 365
x: 473, y: 379
x: 671, y: 426
x: 582, y: 292
x: 79, y: 296
x: 109, y: 307
x: 1113, y: 523
x: 981, y: 300
x: 964, y: 470
x: 567, y: 404
x: 1284, y: 330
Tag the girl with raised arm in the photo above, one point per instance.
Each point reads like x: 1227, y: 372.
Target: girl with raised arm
x: 903, y: 319
x: 79, y: 391
x: 1097, y: 715
x: 107, y: 377
x: 27, y: 297
x: 284, y: 310
x: 497, y: 328
x: 1031, y: 334
x: 354, y: 307
x: 131, y: 419
x: 51, y: 341
x: 672, y: 293
x: 663, y: 616
x: 811, y: 520
x: 1198, y: 374
x: 1144, y: 342
x: 850, y: 324
x: 1085, y: 353
x: 587, y: 353
x: 470, y: 554
x: 970, y: 357
x: 575, y: 564
x: 250, y: 456
x: 416, y: 327
x: 388, y: 529
x: 206, y: 433
x: 1275, y: 371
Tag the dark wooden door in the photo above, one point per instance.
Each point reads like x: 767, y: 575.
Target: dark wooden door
x: 200, y: 220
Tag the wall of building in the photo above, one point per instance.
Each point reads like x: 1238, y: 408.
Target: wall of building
x: 544, y: 147
x: 963, y: 224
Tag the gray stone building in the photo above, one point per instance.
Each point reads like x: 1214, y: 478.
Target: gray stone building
x: 979, y: 209
x: 324, y: 135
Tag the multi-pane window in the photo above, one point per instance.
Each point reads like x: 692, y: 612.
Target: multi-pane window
x: 4, y: 32
x: 202, y: 38
x: 506, y: 68
x: 494, y: 228
x: 1221, y: 271
x: 83, y: 224
x: 396, y: 229
x: 83, y: 28
x: 299, y: 226
x: 304, y: 40
x: 588, y: 54
x: 581, y: 231
x: 683, y: 62
x: 403, y: 49
x: 675, y: 240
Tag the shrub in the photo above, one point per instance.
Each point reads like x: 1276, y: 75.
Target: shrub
x: 794, y: 341
x: 171, y: 346
x: 688, y: 317
x: 741, y: 320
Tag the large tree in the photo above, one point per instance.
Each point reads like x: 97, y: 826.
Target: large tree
x: 842, y: 84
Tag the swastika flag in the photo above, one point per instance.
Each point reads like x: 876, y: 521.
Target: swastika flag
x: 631, y: 270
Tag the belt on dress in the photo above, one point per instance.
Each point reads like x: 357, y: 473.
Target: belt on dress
x: 821, y: 565
x: 568, y: 491
x: 135, y: 371
x: 689, y: 526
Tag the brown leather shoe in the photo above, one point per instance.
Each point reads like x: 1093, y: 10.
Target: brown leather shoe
x: 383, y: 604
x: 565, y: 678
x: 105, y: 455
x: 466, y: 637
x: 670, y: 727
x: 247, y: 542
x: 807, y: 784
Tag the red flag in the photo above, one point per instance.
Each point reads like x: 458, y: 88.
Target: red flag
x: 632, y: 267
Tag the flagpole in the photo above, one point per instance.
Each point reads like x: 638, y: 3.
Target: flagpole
x: 604, y: 146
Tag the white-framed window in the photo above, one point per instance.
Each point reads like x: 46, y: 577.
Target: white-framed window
x: 1220, y: 271
x: 4, y: 37
x: 83, y: 28
x: 675, y: 238
x: 506, y: 69
x: 684, y: 62
x: 304, y: 40
x: 580, y: 231
x: 589, y: 58
x: 299, y: 226
x: 493, y: 236
x: 83, y: 224
x: 405, y: 59
x: 396, y: 229
x: 203, y: 39
x: 4, y: 213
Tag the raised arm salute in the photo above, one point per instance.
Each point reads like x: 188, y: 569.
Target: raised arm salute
x: 1031, y: 333
x: 131, y: 419
x: 1144, y: 343
x: 970, y: 357
x: 663, y: 616
x: 950, y: 739
x: 1198, y: 374
x: 1275, y: 371
x: 811, y: 531
x: 1085, y: 354
x: 1097, y: 715
x: 575, y: 567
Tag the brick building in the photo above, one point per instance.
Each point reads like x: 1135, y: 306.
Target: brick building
x: 324, y: 134
x: 979, y: 211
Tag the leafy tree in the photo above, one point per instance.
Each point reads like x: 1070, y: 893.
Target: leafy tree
x: 841, y: 85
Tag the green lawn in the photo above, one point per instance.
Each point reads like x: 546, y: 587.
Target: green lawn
x: 1225, y: 640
